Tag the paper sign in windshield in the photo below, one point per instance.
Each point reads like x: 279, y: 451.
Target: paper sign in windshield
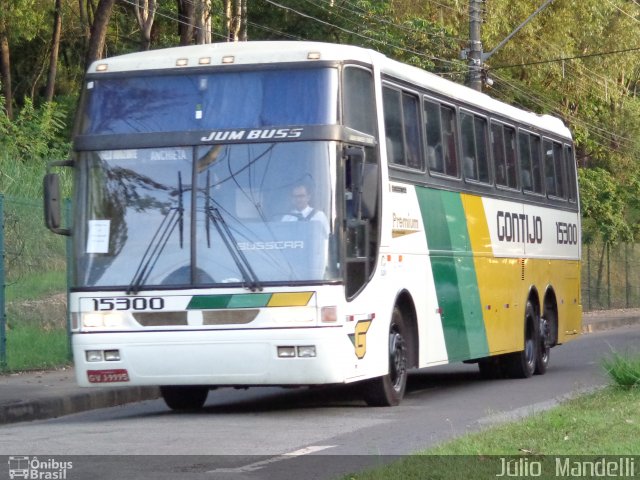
x: 98, y: 237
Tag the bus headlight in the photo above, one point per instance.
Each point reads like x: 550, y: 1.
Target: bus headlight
x: 103, y: 320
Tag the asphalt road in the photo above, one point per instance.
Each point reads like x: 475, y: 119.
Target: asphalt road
x: 305, y: 433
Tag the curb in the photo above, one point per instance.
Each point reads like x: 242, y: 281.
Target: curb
x: 616, y: 322
x: 52, y: 407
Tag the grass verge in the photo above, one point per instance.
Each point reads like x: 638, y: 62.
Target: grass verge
x: 31, y: 348
x: 603, y: 423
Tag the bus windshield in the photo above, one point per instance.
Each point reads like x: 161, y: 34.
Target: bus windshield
x: 224, y: 214
x: 146, y: 103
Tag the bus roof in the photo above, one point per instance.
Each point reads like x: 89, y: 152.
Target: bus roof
x: 267, y: 52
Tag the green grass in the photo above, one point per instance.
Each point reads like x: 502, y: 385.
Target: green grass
x: 32, y: 348
x: 624, y: 370
x: 37, y: 285
x: 603, y: 423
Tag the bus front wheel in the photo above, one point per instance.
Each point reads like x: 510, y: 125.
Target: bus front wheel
x: 388, y: 390
x: 184, y: 397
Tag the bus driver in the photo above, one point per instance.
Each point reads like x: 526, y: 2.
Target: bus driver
x: 302, y: 211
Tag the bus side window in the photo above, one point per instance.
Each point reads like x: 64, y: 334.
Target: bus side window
x: 449, y: 140
x: 510, y: 156
x: 411, y: 116
x: 359, y: 104
x: 558, y: 159
x: 393, y: 125
x: 554, y: 169
x: 571, y: 173
x: 434, y: 137
x: 525, y: 162
x: 536, y: 164
x: 473, y: 130
x: 499, y: 161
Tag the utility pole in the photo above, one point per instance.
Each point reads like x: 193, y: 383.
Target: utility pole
x: 474, y: 54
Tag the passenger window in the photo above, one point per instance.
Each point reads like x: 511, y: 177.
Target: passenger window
x: 558, y: 159
x: 510, y: 156
x: 411, y: 116
x: 536, y: 165
x: 549, y: 168
x: 435, y: 157
x: 359, y: 100
x: 449, y: 141
x: 554, y: 169
x: 503, y: 146
x: 526, y: 175
x: 441, y: 138
x: 393, y: 125
x: 571, y: 173
x: 402, y: 125
x: 474, y: 147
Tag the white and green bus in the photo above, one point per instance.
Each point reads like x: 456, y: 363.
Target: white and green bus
x: 441, y: 225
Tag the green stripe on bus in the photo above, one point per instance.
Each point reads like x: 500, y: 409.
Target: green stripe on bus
x: 454, y: 273
x: 214, y: 302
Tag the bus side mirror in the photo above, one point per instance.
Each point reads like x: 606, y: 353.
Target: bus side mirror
x: 52, y: 204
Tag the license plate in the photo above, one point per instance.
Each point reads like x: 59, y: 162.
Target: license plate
x: 108, y: 376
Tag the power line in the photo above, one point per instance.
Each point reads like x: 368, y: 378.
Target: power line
x: 562, y: 59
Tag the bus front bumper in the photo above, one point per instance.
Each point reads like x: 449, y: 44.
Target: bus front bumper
x: 288, y: 356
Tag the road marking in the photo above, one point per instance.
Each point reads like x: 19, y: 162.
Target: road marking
x: 252, y: 467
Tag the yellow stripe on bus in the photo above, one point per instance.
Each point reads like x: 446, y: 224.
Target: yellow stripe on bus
x: 290, y: 299
x: 498, y: 279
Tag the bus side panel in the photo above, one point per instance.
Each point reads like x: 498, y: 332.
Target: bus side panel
x: 454, y: 273
x: 500, y: 285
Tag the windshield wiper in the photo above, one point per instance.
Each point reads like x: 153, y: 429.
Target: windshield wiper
x: 214, y: 216
x: 174, y: 218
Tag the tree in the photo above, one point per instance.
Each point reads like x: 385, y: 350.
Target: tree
x: 236, y: 20
x: 55, y: 47
x: 5, y: 67
x: 99, y: 30
x: 145, y: 13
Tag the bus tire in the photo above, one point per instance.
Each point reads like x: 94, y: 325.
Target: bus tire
x: 544, y: 344
x: 522, y: 364
x: 388, y: 390
x: 184, y: 397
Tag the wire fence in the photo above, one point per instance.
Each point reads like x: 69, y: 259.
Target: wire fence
x: 610, y: 276
x: 33, y: 288
x: 33, y: 285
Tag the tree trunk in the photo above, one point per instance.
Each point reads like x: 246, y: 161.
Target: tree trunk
x: 5, y: 69
x: 145, y: 13
x: 55, y: 46
x: 186, y: 17
x: 236, y: 20
x: 203, y: 21
x: 99, y: 30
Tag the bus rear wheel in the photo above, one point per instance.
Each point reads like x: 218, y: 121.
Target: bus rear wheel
x: 522, y: 364
x: 544, y: 345
x: 183, y: 398
x: 388, y: 390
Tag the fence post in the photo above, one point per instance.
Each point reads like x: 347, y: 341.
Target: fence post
x: 589, y: 275
x: 70, y: 265
x: 626, y: 274
x: 608, y: 278
x: 3, y: 317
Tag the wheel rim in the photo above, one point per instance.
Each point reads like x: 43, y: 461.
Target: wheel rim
x: 529, y: 352
x: 397, y: 360
x: 529, y: 344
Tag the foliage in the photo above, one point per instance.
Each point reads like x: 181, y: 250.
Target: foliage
x: 624, y: 370
x: 569, y: 60
x: 602, y: 205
